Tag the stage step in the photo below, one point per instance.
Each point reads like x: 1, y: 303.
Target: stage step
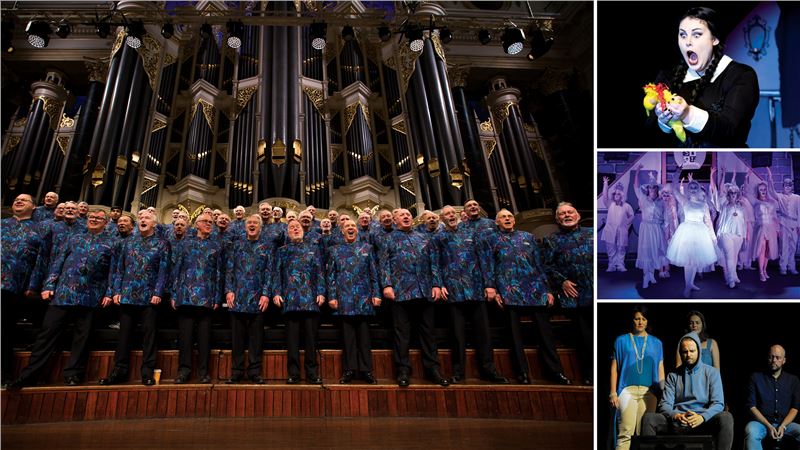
x: 421, y: 399
x: 274, y: 364
x: 55, y: 402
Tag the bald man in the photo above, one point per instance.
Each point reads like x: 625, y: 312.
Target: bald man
x: 773, y: 397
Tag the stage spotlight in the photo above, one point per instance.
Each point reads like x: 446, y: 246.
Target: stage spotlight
x: 135, y: 32
x: 348, y: 34
x: 8, y: 35
x: 205, y: 31
x: 102, y: 30
x: 63, y: 29
x: 384, y: 33
x: 513, y: 40
x: 167, y: 30
x: 484, y: 36
x: 38, y: 33
x: 319, y: 35
x: 235, y: 33
x: 414, y: 36
x: 445, y: 35
x: 540, y: 44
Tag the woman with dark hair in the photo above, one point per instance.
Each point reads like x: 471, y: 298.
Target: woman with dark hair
x: 709, y: 351
x: 715, y: 97
x: 637, y: 377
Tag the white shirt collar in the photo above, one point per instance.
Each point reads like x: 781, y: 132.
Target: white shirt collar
x: 691, y: 75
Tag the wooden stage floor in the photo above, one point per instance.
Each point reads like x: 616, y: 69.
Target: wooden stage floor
x: 300, y: 433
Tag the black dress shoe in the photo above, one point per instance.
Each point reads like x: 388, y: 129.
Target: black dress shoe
x: 457, y: 379
x: 523, y: 378
x: 495, y: 377
x: 114, y: 378
x: 437, y: 378
x: 258, y: 379
x: 402, y: 380
x: 72, y: 381
x: 347, y: 377
x: 182, y: 378
x: 234, y: 379
x: 205, y: 379
x: 20, y: 383
x: 314, y: 379
x: 293, y: 379
x: 370, y: 378
x: 560, y: 378
x: 148, y: 381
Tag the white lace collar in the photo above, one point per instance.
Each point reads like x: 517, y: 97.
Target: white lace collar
x: 691, y: 75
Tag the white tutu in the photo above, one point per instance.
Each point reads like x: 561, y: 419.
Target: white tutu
x: 691, y: 245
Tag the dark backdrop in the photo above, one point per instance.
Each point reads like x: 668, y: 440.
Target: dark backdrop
x: 743, y: 331
x: 636, y: 40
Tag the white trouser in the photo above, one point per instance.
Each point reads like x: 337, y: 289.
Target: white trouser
x: 634, y: 401
x: 616, y: 255
x: 730, y: 245
x: 788, y: 240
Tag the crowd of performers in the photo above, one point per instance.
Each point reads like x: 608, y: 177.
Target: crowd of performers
x: 81, y: 259
x: 729, y: 226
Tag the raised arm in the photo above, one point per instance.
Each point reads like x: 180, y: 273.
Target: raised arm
x: 712, y: 187
x: 639, y: 195
x: 678, y: 193
x: 604, y: 195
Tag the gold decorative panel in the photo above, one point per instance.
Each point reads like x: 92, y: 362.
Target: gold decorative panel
x: 400, y: 127
x: 437, y: 45
x: 21, y: 122
x: 408, y: 185
x: 63, y: 143
x: 118, y: 42
x: 150, y: 52
x: 12, y: 142
x: 407, y: 62
x: 242, y: 97
x: 487, y: 126
x: 500, y: 113
x: 489, y: 146
x: 316, y: 97
x: 66, y: 122
x: 158, y: 125
x: 53, y: 109
x: 208, y: 112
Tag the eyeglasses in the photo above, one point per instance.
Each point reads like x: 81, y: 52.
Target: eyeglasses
x: 96, y: 218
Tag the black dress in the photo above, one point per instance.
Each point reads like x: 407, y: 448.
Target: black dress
x: 730, y: 101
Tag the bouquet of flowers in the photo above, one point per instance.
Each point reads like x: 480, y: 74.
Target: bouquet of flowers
x: 659, y: 94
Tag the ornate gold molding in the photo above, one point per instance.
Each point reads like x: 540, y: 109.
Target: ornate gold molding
x: 316, y: 97
x: 487, y: 126
x: 148, y: 184
x: 437, y: 45
x: 169, y: 59
x: 66, y: 122
x: 457, y: 76
x: 118, y: 42
x: 98, y: 70
x: 208, y: 112
x: 500, y: 113
x: 489, y: 146
x: 21, y: 122
x: 12, y: 142
x: 158, y: 125
x: 407, y: 64
x: 150, y: 52
x: 63, y: 144
x: 52, y: 107
x: 408, y: 185
x: 349, y: 115
x: 278, y: 152
x: 336, y: 151
x: 400, y: 127
x: 242, y: 97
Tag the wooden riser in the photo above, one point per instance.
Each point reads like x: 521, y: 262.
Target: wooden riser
x: 274, y: 364
x: 130, y: 401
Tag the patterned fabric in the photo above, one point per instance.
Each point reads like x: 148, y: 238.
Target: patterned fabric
x: 482, y: 227
x: 21, y: 244
x: 410, y: 265
x: 42, y: 213
x: 175, y: 247
x: 237, y: 228
x: 569, y: 255
x: 80, y: 274
x: 299, y: 277
x: 141, y: 269
x: 353, y: 279
x: 461, y: 269
x: 199, y: 273
x: 248, y: 274
x: 517, y: 268
x: 57, y: 234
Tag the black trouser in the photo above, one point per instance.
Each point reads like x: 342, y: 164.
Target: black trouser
x: 310, y: 322
x: 250, y: 326
x: 10, y: 307
x: 421, y: 311
x: 357, y: 352
x: 187, y: 317
x: 547, y: 347
x: 127, y: 322
x: 55, y: 319
x: 476, y: 311
x: 720, y: 426
x: 582, y: 316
